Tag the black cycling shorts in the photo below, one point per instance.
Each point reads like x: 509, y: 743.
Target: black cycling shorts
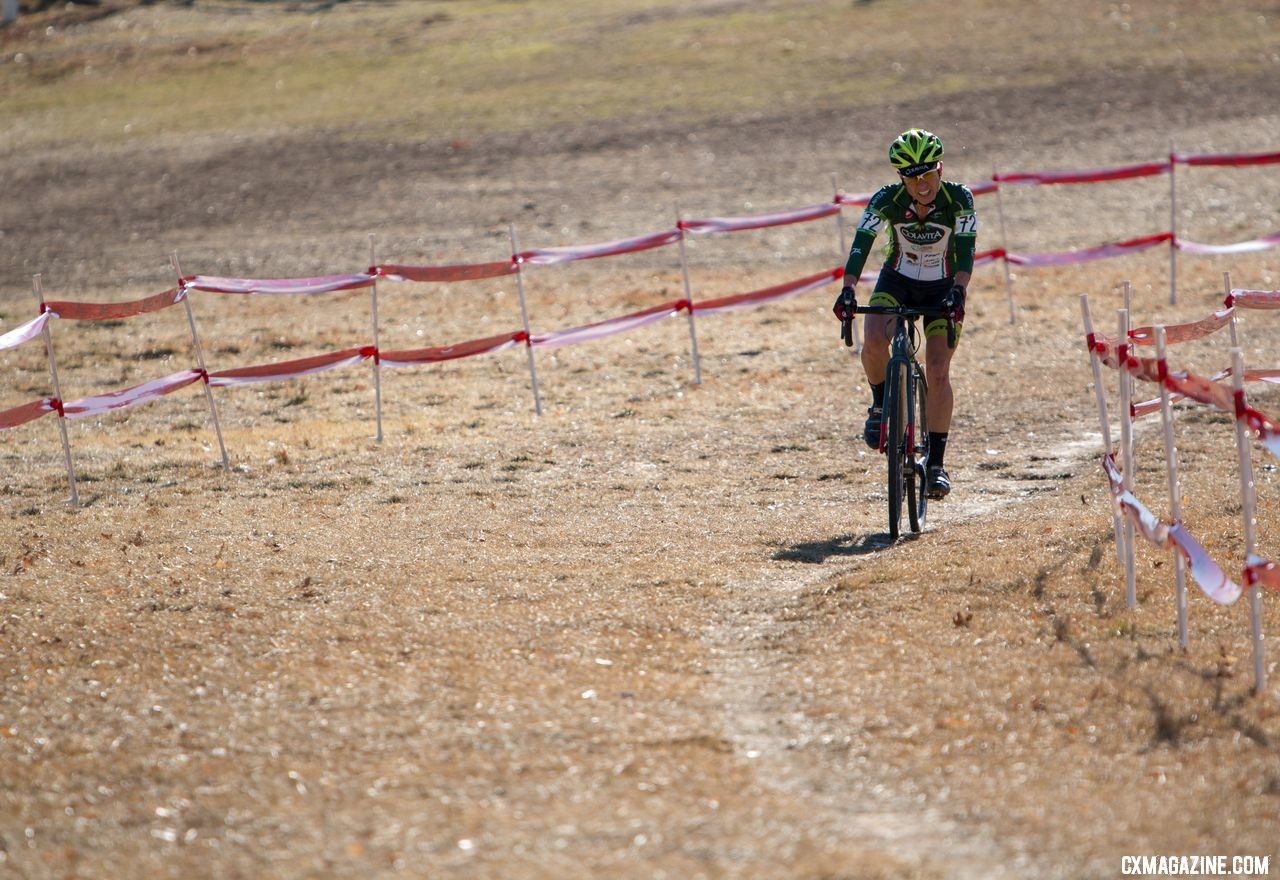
x: 895, y: 289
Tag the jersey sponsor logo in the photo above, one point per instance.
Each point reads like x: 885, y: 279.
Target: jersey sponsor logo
x: 927, y: 235
x: 925, y: 260
x: 921, y: 250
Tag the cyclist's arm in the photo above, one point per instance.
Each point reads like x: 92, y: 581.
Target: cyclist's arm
x: 966, y: 246
x: 863, y: 238
x: 966, y: 235
x: 858, y: 253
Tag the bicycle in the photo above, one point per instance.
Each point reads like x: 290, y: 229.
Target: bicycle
x: 904, y: 429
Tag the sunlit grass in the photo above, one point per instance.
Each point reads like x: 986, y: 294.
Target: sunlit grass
x: 460, y: 69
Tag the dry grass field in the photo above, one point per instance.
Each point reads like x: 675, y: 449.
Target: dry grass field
x: 658, y: 631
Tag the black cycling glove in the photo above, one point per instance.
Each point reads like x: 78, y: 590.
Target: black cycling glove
x: 955, y: 300
x: 846, y: 305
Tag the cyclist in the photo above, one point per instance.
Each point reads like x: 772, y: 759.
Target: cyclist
x: 932, y: 231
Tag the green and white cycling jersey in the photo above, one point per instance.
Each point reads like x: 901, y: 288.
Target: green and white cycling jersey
x: 931, y: 249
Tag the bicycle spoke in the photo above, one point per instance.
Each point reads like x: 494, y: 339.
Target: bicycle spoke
x: 917, y: 490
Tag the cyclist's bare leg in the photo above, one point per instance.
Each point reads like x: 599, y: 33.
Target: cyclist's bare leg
x: 937, y: 372
x: 877, y: 330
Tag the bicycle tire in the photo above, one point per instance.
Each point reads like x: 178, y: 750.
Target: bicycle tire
x: 895, y: 405
x: 918, y: 482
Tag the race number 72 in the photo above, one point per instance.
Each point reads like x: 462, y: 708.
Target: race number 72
x: 870, y: 222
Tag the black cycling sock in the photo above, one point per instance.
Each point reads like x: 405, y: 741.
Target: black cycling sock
x: 877, y: 395
x: 937, y: 448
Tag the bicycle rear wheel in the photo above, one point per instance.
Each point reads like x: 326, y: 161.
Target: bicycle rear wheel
x: 896, y: 447
x: 917, y: 482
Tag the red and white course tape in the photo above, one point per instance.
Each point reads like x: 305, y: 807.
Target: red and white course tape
x: 1207, y: 574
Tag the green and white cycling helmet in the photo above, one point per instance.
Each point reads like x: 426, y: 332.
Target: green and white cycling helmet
x: 915, y: 151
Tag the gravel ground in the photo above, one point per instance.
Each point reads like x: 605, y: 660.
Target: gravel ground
x: 658, y: 631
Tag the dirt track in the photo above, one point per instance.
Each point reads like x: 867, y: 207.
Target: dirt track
x: 658, y: 632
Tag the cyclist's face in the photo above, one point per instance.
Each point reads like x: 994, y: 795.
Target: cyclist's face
x: 924, y: 187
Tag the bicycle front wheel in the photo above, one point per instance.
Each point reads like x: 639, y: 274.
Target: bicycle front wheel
x: 896, y: 446
x: 918, y: 432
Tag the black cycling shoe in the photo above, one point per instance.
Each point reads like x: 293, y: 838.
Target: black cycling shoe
x: 939, y: 484
x: 871, y: 428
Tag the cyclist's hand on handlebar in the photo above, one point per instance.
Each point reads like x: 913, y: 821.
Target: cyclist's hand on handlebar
x: 846, y: 304
x: 955, y: 302
x: 845, y: 308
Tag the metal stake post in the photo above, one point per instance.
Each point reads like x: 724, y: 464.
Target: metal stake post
x: 1127, y: 378
x: 38, y: 288
x: 1004, y: 246
x: 204, y: 372
x: 1226, y: 291
x: 1173, y: 227
x: 1103, y: 418
x: 524, y: 317
x: 1175, y: 492
x: 377, y: 362
x: 835, y: 188
x: 688, y: 295
x: 1248, y: 502
x: 1126, y: 443
x: 844, y: 256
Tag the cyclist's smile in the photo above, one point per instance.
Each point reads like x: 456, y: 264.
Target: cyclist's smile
x: 923, y: 188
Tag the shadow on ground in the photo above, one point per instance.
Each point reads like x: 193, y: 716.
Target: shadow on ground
x: 844, y: 545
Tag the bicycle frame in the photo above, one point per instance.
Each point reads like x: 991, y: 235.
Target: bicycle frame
x: 902, y: 355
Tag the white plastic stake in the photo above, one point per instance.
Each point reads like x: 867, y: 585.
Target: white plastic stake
x: 1248, y: 503
x: 524, y: 317
x: 195, y: 344
x: 1103, y: 418
x: 1126, y: 443
x: 1175, y: 492
x: 688, y: 295
x: 377, y: 365
x: 38, y: 288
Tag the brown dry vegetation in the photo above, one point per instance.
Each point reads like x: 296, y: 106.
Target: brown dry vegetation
x: 657, y: 632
